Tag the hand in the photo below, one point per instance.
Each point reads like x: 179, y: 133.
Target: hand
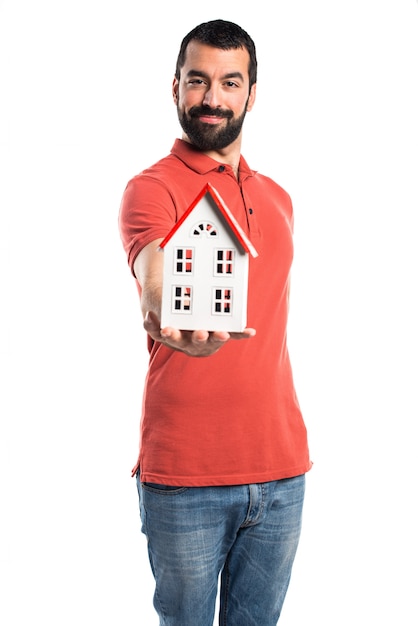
x: 191, y: 342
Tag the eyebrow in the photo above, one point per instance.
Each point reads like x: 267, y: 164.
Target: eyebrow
x: 205, y: 75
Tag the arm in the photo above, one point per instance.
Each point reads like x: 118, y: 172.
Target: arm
x: 148, y: 268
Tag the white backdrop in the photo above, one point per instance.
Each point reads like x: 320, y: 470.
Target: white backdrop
x: 85, y: 105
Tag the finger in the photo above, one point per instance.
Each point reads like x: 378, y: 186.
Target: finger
x: 200, y: 336
x: 247, y: 333
x: 221, y: 336
x: 173, y: 334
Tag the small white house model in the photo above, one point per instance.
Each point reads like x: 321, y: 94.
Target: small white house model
x: 206, y: 258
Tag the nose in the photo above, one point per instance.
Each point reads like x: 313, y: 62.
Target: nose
x: 212, y: 98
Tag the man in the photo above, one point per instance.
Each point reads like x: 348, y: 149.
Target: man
x: 223, y: 449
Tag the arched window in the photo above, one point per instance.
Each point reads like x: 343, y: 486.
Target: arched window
x: 204, y: 228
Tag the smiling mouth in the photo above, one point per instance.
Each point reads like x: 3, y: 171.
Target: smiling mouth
x: 210, y: 119
x: 207, y: 115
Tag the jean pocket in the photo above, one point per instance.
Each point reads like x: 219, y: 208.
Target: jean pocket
x: 157, y: 487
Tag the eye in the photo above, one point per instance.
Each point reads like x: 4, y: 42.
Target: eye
x: 231, y: 84
x: 196, y: 81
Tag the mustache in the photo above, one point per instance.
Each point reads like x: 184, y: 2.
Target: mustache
x: 197, y: 111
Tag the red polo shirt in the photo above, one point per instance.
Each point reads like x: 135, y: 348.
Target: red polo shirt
x: 233, y: 417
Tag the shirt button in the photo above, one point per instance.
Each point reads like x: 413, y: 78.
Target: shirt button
x: 250, y: 211
x: 221, y: 168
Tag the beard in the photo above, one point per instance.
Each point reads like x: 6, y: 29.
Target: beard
x: 209, y: 136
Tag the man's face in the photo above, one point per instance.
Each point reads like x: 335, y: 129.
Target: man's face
x: 213, y: 95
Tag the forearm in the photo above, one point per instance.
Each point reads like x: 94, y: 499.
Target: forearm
x: 148, y: 268
x: 151, y: 299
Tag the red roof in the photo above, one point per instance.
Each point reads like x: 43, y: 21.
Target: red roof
x: 230, y: 219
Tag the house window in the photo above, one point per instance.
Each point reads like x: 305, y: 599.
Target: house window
x: 183, y: 260
x: 224, y: 262
x: 182, y: 299
x: 204, y: 228
x: 222, y: 301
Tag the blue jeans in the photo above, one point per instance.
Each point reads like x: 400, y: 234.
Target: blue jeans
x: 247, y: 533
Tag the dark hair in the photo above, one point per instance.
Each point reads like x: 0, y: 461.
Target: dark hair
x: 224, y: 35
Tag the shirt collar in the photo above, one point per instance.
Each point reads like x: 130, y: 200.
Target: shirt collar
x: 201, y: 163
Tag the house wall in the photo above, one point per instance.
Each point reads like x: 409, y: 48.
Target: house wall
x: 203, y: 279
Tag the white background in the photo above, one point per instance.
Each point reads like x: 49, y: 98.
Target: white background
x: 86, y: 104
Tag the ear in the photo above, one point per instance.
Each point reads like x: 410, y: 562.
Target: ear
x: 251, y: 97
x: 175, y: 90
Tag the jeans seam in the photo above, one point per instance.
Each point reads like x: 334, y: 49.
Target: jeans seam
x: 225, y: 595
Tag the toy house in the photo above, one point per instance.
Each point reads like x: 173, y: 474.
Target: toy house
x: 206, y: 260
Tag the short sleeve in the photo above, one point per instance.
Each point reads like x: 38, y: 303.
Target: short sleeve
x: 147, y: 212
